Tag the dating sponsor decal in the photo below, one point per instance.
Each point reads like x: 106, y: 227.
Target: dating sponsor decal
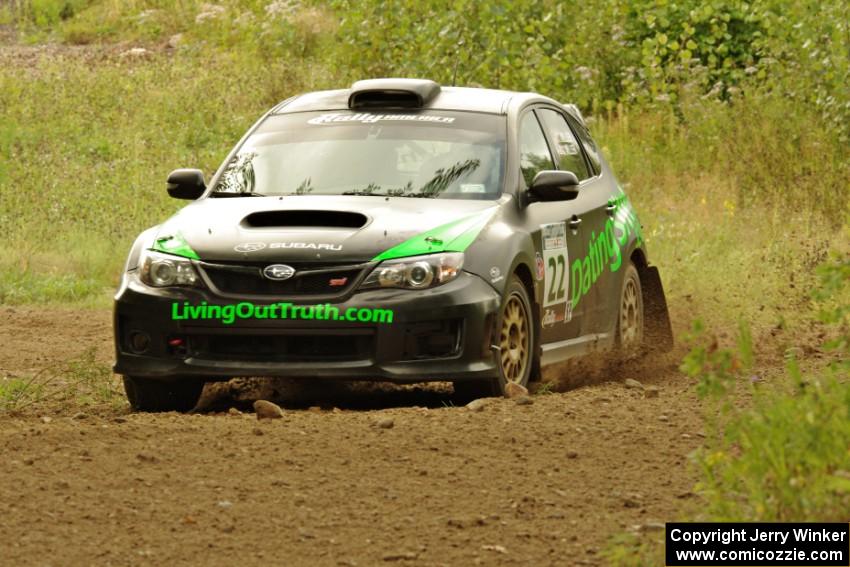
x: 605, y: 250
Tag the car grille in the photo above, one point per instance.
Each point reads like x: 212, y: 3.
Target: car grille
x: 303, y: 347
x: 309, y: 279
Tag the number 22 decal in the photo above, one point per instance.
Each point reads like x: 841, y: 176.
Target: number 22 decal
x: 555, y: 256
x: 556, y: 290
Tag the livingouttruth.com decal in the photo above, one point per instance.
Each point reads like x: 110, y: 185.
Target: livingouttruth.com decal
x: 227, y: 314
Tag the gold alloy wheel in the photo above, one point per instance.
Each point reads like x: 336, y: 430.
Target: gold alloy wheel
x: 515, y: 339
x: 631, y: 315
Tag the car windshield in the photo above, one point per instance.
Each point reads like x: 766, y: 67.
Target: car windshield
x: 429, y: 154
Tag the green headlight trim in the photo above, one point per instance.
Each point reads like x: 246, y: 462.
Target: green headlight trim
x: 174, y: 244
x: 455, y: 236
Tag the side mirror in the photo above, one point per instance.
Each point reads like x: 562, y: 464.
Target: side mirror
x: 552, y: 185
x: 186, y: 184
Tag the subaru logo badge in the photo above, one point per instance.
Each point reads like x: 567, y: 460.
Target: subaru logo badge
x: 279, y: 272
x: 249, y: 246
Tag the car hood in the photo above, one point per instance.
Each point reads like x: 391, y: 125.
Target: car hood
x: 321, y: 228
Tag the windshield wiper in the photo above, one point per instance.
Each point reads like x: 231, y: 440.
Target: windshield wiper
x: 417, y: 195
x: 364, y: 193
x: 230, y: 194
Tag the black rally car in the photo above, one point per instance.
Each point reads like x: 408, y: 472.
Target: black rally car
x: 396, y: 230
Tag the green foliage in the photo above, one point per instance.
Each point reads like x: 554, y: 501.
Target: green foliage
x: 635, y: 550
x: 640, y: 52
x: 46, y: 13
x: 774, y: 452
x: 834, y: 298
x: 704, y: 46
x: 88, y: 135
x: 523, y: 45
x: 14, y: 392
x: 82, y: 381
x: 716, y: 369
x: 785, y: 457
x: 85, y: 149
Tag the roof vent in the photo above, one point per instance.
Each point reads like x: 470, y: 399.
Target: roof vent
x: 392, y: 93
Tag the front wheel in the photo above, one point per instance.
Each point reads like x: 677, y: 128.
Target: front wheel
x: 516, y: 340
x: 630, y: 323
x: 145, y: 394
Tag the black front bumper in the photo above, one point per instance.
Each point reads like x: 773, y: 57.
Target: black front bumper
x: 443, y: 333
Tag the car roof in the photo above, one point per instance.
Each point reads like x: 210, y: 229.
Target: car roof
x: 492, y: 101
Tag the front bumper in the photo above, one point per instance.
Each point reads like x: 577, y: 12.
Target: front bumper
x: 443, y: 333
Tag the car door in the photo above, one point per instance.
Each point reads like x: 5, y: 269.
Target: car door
x: 588, y: 266
x: 608, y: 202
x: 556, y: 240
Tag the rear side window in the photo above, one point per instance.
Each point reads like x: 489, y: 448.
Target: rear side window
x: 565, y: 142
x: 589, y: 146
x: 534, y: 153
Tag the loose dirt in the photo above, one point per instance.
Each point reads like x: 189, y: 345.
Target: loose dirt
x: 372, y: 476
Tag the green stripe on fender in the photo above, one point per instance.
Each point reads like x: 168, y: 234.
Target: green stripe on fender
x: 455, y: 236
x: 176, y: 245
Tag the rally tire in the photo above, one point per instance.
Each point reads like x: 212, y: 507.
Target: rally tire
x: 631, y: 323
x: 149, y: 395
x: 516, y: 337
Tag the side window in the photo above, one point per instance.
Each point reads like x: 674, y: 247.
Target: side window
x: 534, y: 153
x: 589, y: 146
x: 566, y: 144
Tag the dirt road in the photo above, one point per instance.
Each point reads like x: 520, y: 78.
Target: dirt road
x: 378, y: 477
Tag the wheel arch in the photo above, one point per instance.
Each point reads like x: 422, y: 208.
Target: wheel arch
x: 658, y: 330
x: 639, y: 259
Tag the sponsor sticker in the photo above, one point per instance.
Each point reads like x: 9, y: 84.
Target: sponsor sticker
x: 555, y: 262
x: 369, y: 118
x: 496, y: 274
x: 228, y: 314
x: 552, y: 316
x: 554, y: 235
x: 541, y: 265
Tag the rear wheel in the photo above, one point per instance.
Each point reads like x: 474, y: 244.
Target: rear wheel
x: 630, y: 323
x: 149, y: 395
x: 516, y: 340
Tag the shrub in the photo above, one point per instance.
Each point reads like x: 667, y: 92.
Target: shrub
x: 785, y: 457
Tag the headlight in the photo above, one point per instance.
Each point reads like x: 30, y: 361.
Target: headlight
x: 163, y: 270
x: 416, y: 272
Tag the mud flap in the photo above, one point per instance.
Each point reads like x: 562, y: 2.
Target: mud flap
x: 658, y: 331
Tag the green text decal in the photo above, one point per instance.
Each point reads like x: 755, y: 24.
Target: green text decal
x: 606, y: 247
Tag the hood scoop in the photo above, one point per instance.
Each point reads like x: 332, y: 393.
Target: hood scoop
x: 305, y: 219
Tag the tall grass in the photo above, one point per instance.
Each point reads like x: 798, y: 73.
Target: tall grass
x: 86, y: 141
x: 739, y: 196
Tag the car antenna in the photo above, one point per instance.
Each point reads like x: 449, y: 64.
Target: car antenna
x: 457, y: 61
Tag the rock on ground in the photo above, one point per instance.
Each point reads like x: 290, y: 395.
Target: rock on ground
x: 513, y: 390
x: 267, y: 410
